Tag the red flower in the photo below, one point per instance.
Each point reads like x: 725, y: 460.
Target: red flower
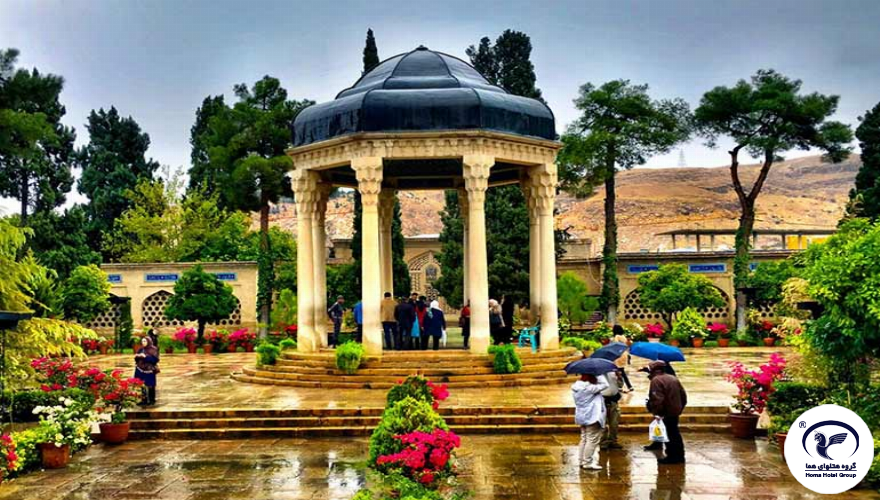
x: 426, y: 478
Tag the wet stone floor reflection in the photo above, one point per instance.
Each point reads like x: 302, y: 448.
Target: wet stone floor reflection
x: 493, y: 467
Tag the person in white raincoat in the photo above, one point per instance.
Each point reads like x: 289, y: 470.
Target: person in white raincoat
x: 590, y: 415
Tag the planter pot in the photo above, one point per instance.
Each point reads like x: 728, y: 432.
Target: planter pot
x: 780, y: 442
x: 674, y: 343
x: 102, y: 349
x: 231, y: 348
x: 248, y: 347
x: 653, y: 340
x: 207, y: 348
x: 191, y: 348
x: 743, y: 426
x: 723, y: 342
x: 742, y: 343
x: 769, y: 342
x: 605, y: 341
x: 169, y: 350
x: 698, y: 342
x: 114, y: 433
x: 54, y: 457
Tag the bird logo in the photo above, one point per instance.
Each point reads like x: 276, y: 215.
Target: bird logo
x: 822, y: 446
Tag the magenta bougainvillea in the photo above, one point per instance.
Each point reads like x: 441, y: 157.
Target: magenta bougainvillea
x: 425, y: 457
x: 718, y: 329
x: 8, y: 457
x: 654, y: 331
x: 755, y: 386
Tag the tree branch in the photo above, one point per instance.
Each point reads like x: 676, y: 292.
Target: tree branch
x: 734, y: 175
x: 765, y: 170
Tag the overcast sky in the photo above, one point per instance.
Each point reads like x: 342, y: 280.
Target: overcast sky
x: 157, y: 60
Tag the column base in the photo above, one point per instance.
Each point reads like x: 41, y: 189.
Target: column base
x: 479, y: 345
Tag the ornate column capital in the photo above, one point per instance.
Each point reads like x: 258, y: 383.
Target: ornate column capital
x: 304, y: 184
x: 542, y: 182
x: 475, y: 170
x: 368, y: 170
x: 386, y: 208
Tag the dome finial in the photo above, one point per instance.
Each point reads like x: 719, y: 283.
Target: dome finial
x: 421, y: 47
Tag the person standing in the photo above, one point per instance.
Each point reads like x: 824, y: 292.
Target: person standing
x: 589, y: 414
x: 496, y: 322
x: 389, y: 324
x: 146, y: 363
x: 405, y: 314
x: 336, y: 312
x: 435, y: 324
x: 358, y: 313
x: 464, y: 321
x: 667, y: 400
x: 611, y: 397
x: 508, y: 308
x: 421, y: 313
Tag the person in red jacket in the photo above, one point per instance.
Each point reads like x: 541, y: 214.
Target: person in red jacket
x: 667, y: 400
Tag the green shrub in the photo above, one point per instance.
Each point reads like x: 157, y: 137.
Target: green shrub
x: 407, y: 415
x: 506, y: 359
x: 21, y: 404
x: 581, y: 344
x: 603, y: 330
x: 710, y: 343
x: 165, y: 342
x: 689, y: 324
x: 794, y: 397
x: 415, y: 386
x: 267, y: 353
x: 26, y: 442
x: 873, y: 477
x: 287, y: 344
x: 349, y: 356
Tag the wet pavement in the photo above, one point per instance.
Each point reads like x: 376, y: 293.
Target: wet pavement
x: 199, y: 381
x: 492, y: 467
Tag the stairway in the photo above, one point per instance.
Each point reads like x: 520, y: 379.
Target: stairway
x: 456, y: 368
x: 256, y: 423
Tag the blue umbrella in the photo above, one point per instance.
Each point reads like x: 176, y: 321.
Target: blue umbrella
x: 656, y: 351
x: 591, y: 366
x: 611, y: 351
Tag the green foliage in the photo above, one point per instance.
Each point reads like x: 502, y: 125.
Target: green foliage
x: 415, y: 387
x: 865, y: 196
x: 711, y: 343
x: 60, y: 241
x: 580, y: 344
x: 45, y: 294
x: 574, y: 303
x: 26, y: 447
x: 603, y: 330
x: 85, y: 294
x: 267, y: 353
x: 791, y: 397
x: 19, y: 405
x: 201, y: 175
x: 343, y: 280
x: 284, y: 313
x: 451, y: 257
x: 689, y: 324
x: 405, y: 416
x: 399, y: 267
x: 40, y: 337
x: 124, y: 326
x: 287, y: 345
x: 165, y: 342
x: 112, y: 163
x: 768, y: 279
x: 15, y: 271
x: 671, y: 289
x: 202, y: 297
x: 508, y: 63
x: 349, y: 356
x: 371, y: 52
x: 505, y: 359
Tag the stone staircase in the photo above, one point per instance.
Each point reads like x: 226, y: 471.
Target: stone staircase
x: 456, y: 368
x: 255, y: 423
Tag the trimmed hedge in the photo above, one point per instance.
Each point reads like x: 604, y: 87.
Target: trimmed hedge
x: 349, y: 356
x: 21, y: 404
x: 506, y: 359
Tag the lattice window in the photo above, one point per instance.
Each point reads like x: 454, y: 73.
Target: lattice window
x: 153, y: 311
x: 634, y: 311
x: 722, y: 313
x: 107, y: 319
x: 234, y: 318
x: 767, y: 311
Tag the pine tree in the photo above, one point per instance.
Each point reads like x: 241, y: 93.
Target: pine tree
x: 201, y: 175
x: 865, y: 197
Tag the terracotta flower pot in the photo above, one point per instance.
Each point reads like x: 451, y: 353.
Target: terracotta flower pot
x: 743, y: 426
x: 191, y: 348
x: 207, y: 348
x: 780, y: 442
x: 742, y: 343
x: 114, y: 433
x: 54, y: 457
x: 674, y: 343
x: 102, y: 349
x: 698, y: 342
x: 769, y: 341
x: 723, y: 342
x: 248, y: 347
x: 231, y: 348
x: 653, y: 340
x: 169, y: 350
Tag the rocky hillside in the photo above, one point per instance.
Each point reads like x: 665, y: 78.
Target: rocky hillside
x: 803, y: 192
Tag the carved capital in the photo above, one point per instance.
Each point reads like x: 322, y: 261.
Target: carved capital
x: 386, y: 208
x: 368, y: 170
x: 476, y: 176
x: 304, y: 184
x: 322, y: 195
x: 543, y: 180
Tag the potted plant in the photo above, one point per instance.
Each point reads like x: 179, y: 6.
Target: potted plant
x: 654, y: 332
x: 215, y: 340
x: 743, y: 338
x: 768, y: 334
x: 166, y: 344
x: 186, y: 337
x: 62, y: 427
x: 105, y: 345
x: 721, y: 333
x: 118, y: 395
x: 753, y: 389
x: 243, y: 338
x: 603, y: 332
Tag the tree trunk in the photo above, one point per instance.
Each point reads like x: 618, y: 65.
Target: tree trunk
x: 201, y: 334
x: 25, y: 196
x: 741, y: 260
x: 266, y: 271
x: 610, y: 288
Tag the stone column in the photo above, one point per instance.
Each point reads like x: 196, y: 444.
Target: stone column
x: 463, y: 210
x: 543, y: 179
x: 304, y: 187
x: 476, y: 178
x: 534, y: 253
x: 386, y: 218
x: 369, y: 177
x: 319, y: 263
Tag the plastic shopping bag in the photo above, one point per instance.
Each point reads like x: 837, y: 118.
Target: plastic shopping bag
x: 657, y: 431
x: 443, y: 338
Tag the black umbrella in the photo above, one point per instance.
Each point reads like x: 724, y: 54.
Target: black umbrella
x: 611, y: 351
x: 591, y: 366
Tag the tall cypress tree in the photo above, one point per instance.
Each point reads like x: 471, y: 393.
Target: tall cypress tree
x: 371, y: 53
x: 865, y: 197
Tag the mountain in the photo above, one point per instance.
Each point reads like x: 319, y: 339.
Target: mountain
x: 800, y: 193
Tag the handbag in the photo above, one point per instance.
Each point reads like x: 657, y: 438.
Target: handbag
x: 657, y: 431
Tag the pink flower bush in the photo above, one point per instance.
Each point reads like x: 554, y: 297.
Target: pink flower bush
x: 654, y: 331
x: 185, y: 336
x: 718, y: 329
x: 242, y: 337
x: 439, y: 393
x: 755, y: 386
x: 425, y: 456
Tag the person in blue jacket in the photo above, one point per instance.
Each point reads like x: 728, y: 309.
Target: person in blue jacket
x: 358, y: 313
x: 435, y: 323
x: 146, y: 367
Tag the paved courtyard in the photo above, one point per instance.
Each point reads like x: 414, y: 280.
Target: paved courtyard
x: 494, y: 467
x: 199, y: 381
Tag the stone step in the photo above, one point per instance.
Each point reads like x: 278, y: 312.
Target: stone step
x: 396, y: 371
x: 369, y: 383
x: 359, y: 377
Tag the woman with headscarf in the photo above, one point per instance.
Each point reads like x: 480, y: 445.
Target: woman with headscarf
x: 435, y: 323
x: 146, y: 367
x: 496, y: 322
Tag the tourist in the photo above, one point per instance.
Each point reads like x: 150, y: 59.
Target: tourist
x: 358, y: 313
x: 421, y: 312
x: 435, y: 323
x: 389, y: 324
x: 496, y: 322
x: 623, y: 360
x: 611, y: 397
x: 589, y: 414
x: 508, y: 307
x: 146, y: 363
x: 336, y: 312
x: 464, y: 321
x: 405, y: 314
x: 667, y: 400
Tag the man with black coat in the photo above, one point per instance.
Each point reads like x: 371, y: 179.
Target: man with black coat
x: 667, y: 400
